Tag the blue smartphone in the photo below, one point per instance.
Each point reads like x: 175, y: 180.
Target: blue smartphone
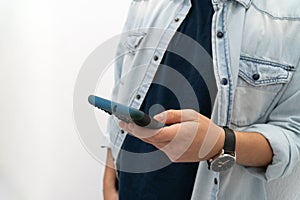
x: 125, y: 113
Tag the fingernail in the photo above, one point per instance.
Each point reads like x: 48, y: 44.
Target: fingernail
x: 159, y: 117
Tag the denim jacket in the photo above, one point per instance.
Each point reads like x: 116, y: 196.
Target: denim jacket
x: 256, y: 49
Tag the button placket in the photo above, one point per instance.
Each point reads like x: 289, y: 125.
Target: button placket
x: 221, y: 60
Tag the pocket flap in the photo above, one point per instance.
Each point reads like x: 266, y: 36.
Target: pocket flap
x: 262, y: 72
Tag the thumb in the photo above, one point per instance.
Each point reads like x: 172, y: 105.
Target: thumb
x: 177, y: 116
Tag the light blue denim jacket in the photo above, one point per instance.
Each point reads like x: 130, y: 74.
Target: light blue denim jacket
x: 258, y: 55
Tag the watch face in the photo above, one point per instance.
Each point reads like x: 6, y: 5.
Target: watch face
x: 222, y: 163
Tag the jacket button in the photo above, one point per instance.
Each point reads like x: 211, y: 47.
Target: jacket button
x: 216, y: 181
x: 224, y: 81
x: 138, y: 97
x: 220, y: 34
x: 256, y: 77
x: 155, y: 58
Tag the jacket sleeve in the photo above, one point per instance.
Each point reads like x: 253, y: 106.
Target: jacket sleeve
x: 282, y: 130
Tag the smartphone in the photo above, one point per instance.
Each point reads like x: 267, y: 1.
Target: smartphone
x: 125, y: 113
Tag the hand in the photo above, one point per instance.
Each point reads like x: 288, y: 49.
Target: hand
x: 109, y: 180
x: 191, y: 137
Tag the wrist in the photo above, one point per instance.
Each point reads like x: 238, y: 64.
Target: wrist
x: 110, y: 185
x: 226, y: 159
x: 218, y: 147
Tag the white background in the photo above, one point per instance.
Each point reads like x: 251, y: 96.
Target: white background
x: 43, y: 44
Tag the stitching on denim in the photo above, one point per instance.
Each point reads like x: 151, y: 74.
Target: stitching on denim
x: 282, y: 79
x: 275, y: 17
x: 227, y: 63
x: 267, y: 62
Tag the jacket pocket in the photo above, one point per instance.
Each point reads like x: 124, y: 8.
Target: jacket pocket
x: 259, y: 82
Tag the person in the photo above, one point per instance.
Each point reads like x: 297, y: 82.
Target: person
x: 251, y: 134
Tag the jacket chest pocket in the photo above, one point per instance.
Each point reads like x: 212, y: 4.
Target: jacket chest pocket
x: 259, y: 83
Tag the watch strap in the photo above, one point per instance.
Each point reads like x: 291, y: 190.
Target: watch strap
x: 229, y: 143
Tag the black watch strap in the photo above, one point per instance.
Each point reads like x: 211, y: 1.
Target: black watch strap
x: 229, y: 143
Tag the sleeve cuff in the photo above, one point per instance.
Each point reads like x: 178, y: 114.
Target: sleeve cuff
x: 285, y: 152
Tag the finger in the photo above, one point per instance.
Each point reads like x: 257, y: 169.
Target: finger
x: 165, y: 134
x: 152, y: 136
x: 176, y: 116
x: 138, y: 131
x: 134, y: 131
x: 122, y: 124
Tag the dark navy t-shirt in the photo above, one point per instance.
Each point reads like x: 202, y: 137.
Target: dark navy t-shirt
x: 172, y: 180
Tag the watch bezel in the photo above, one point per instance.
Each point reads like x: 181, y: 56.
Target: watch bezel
x: 227, y: 160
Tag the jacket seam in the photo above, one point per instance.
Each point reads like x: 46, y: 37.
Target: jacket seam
x: 267, y: 62
x: 273, y: 16
x: 226, y: 51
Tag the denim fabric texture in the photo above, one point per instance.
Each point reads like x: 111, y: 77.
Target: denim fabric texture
x: 256, y: 48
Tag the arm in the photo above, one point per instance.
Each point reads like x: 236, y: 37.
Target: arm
x: 193, y: 138
x: 253, y: 149
x: 275, y: 143
x: 109, y: 181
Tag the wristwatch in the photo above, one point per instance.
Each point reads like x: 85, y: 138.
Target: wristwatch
x: 226, y: 159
